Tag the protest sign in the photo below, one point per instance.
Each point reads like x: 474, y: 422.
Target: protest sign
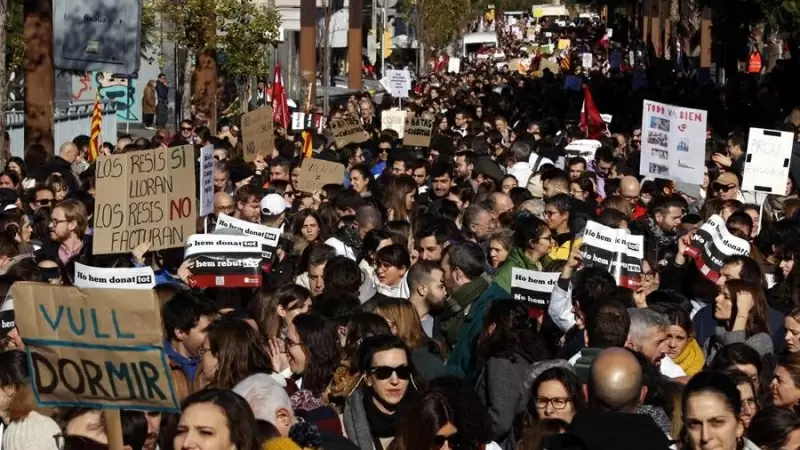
x: 206, y: 180
x: 533, y: 287
x: 399, y: 83
x: 222, y: 260
x: 268, y: 237
x: 616, y: 250
x: 315, y: 173
x: 347, y: 131
x: 585, y: 148
x: 454, y: 65
x: 586, y: 60
x: 94, y: 348
x: 418, y: 133
x: 144, y: 196
x: 258, y: 133
x: 394, y: 120
x: 769, y: 154
x: 711, y: 244
x: 547, y: 64
x: 673, y: 142
x: 114, y: 278
x: 564, y: 44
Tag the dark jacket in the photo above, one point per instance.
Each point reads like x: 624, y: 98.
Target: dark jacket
x: 428, y: 362
x: 162, y: 90
x: 49, y: 250
x: 601, y: 430
x: 659, y: 246
x: 501, y: 388
x: 60, y: 166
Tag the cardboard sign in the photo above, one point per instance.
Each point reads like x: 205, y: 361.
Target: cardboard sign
x: 315, y: 173
x: 348, y: 131
x: 673, y: 142
x: 94, y: 348
x: 258, y: 133
x: 454, y: 65
x: 222, y: 260
x: 143, y: 196
x: 533, y: 287
x: 616, y: 250
x: 547, y: 64
x: 206, y: 180
x: 769, y: 154
x: 268, y: 237
x: 114, y: 278
x: 564, y: 44
x: 418, y: 133
x: 394, y: 120
x: 712, y: 243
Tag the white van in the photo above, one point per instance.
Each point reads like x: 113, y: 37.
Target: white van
x: 472, y: 42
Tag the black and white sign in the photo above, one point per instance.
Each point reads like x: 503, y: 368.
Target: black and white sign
x: 224, y: 261
x: 114, y: 278
x: 617, y: 251
x: 769, y: 154
x: 206, y: 180
x: 268, y: 236
x: 712, y: 243
x: 533, y: 287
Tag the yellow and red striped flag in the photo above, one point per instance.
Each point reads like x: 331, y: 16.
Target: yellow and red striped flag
x: 97, y: 124
x: 308, y: 147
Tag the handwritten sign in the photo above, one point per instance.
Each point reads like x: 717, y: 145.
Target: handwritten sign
x: 418, y: 133
x: 394, y: 120
x: 673, y: 142
x: 315, y: 173
x: 258, y: 132
x: 144, y: 196
x: 114, y: 278
x: 769, y: 154
x: 206, y: 180
x: 348, y: 131
x: 94, y: 348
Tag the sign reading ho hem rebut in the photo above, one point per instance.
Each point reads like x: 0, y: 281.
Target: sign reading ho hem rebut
x: 95, y: 348
x: 145, y: 196
x: 418, y: 133
x: 348, y: 131
x: 258, y: 133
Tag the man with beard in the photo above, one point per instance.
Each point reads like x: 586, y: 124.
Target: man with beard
x: 659, y: 227
x: 426, y: 284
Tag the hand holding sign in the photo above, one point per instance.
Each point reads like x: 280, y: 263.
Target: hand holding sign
x: 140, y: 250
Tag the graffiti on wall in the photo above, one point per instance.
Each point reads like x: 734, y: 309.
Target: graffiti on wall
x: 113, y: 87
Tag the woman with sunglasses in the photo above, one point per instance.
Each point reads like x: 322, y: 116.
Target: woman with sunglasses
x: 384, y: 396
x: 431, y: 427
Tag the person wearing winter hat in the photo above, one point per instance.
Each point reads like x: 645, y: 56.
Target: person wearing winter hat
x: 27, y: 428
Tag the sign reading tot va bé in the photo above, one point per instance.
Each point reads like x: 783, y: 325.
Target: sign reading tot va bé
x: 418, y: 133
x: 315, y: 173
x: 348, y: 131
x: 144, y: 196
x: 94, y: 348
x: 258, y: 133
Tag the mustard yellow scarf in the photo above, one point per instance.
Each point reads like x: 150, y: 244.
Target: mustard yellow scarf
x: 691, y: 359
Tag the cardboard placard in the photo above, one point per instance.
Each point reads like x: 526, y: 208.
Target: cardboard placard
x: 547, y: 64
x: 394, y: 120
x: 769, y: 156
x: 143, y: 196
x: 418, y: 133
x: 224, y: 261
x: 711, y: 244
x: 673, y: 142
x: 533, y: 287
x: 348, y: 131
x: 315, y: 173
x: 615, y: 250
x: 267, y: 235
x: 114, y: 278
x: 94, y: 348
x: 206, y: 180
x: 564, y: 44
x: 258, y: 133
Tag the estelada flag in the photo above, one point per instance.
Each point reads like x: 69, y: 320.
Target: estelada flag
x: 591, y: 122
x: 280, y: 105
x: 97, y: 125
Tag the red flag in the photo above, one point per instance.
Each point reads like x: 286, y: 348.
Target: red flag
x: 280, y: 107
x: 591, y: 122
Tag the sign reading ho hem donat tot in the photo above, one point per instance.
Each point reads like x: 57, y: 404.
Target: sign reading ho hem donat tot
x: 94, y: 348
x: 533, y: 287
x: 711, y: 244
x: 268, y: 236
x: 418, y: 133
x: 224, y: 261
x: 258, y: 133
x: 145, y: 196
x: 348, y: 131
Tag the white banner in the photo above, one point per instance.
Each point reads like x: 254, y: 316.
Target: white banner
x: 206, y: 180
x: 114, y: 278
x: 769, y: 155
x: 269, y: 236
x: 673, y: 142
x: 586, y: 60
x: 454, y: 65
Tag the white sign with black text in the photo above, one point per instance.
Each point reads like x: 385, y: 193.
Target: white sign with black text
x: 533, y: 287
x: 269, y: 236
x: 769, y: 154
x: 220, y: 260
x: 114, y: 278
x: 673, y: 142
x: 616, y: 250
x: 206, y: 180
x: 399, y: 83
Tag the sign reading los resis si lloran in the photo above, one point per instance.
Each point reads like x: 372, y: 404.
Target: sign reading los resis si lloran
x: 145, y: 196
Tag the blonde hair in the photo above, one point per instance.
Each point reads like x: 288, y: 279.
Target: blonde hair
x: 75, y: 210
x: 406, y: 320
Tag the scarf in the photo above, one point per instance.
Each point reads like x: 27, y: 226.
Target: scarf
x: 691, y: 359
x: 658, y: 235
x: 452, y: 308
x: 516, y: 258
x: 364, y: 424
x: 384, y: 425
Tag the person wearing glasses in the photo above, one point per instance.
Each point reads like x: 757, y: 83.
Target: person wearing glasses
x: 385, y: 393
x: 556, y: 392
x: 42, y: 197
x: 68, y: 232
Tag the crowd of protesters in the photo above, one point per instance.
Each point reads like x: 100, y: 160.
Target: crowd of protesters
x: 387, y: 320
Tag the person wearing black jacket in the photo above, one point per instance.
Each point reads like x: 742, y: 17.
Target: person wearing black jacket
x: 62, y: 164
